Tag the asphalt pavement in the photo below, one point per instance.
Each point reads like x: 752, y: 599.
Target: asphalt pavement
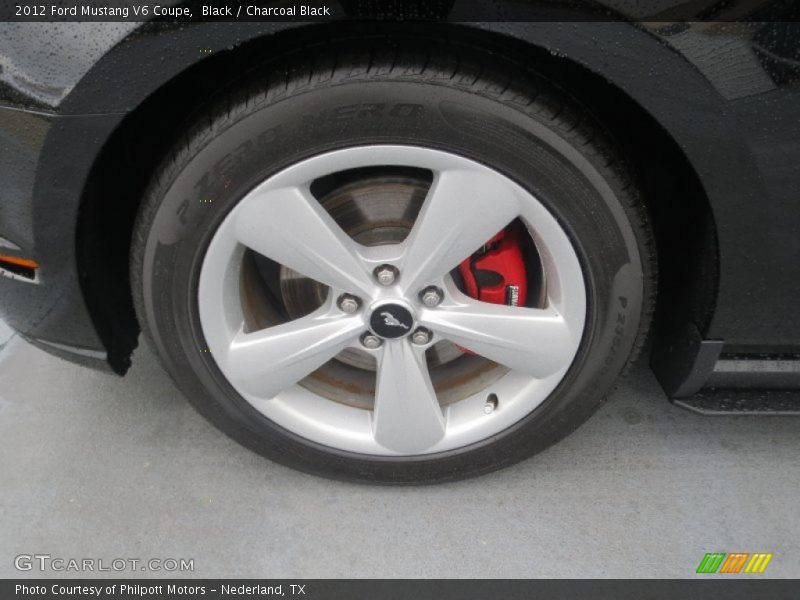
x: 100, y: 467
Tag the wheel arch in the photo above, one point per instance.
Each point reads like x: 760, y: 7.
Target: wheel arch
x: 683, y: 221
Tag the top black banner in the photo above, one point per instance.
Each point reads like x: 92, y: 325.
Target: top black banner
x: 184, y: 11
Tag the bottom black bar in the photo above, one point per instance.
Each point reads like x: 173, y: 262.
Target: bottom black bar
x: 391, y: 589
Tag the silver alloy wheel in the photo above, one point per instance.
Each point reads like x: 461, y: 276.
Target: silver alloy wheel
x: 466, y: 205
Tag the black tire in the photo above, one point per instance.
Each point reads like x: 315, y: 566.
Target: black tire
x: 446, y: 97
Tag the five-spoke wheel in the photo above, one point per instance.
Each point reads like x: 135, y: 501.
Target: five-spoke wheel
x: 392, y: 300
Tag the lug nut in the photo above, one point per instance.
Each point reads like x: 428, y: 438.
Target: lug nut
x: 431, y: 296
x: 371, y: 341
x: 386, y: 274
x: 348, y: 303
x: 421, y: 336
x: 491, y: 404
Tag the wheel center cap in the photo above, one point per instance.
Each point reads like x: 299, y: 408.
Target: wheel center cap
x: 391, y: 320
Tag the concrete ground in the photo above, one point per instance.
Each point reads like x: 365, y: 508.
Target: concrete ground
x: 96, y: 466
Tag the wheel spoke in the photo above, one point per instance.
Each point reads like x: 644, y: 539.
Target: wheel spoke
x: 407, y: 415
x: 268, y: 361
x: 289, y: 226
x: 463, y: 210
x: 533, y: 341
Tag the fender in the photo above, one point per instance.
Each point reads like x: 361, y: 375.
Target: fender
x: 712, y: 124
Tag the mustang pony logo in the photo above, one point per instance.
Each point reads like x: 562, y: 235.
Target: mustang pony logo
x: 390, y: 319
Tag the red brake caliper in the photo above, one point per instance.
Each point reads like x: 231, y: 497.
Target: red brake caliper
x: 496, y: 273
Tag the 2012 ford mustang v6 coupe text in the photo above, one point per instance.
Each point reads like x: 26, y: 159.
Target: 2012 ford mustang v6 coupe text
x: 408, y: 252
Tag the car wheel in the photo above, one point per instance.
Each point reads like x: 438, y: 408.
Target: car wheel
x: 394, y: 265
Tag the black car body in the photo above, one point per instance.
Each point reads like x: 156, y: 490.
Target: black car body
x: 709, y: 112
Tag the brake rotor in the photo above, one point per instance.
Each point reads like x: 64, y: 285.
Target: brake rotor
x: 375, y: 211
x: 379, y: 210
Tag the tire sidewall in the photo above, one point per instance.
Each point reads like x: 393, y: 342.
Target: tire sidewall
x: 225, y: 161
